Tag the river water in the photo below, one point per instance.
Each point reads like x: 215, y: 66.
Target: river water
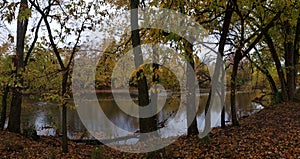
x: 46, y: 117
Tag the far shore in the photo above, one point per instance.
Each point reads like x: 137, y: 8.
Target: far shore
x: 203, y: 91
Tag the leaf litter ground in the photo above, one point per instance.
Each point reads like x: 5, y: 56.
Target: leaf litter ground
x: 273, y: 132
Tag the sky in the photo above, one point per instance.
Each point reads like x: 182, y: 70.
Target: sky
x: 110, y: 29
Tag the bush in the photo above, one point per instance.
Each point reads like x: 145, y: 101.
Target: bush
x: 97, y: 153
x: 277, y: 98
x: 31, y: 132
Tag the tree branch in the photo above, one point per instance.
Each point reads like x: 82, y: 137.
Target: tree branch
x: 54, y: 47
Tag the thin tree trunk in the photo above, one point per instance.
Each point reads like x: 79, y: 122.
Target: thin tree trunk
x: 223, y: 124
x: 4, y: 107
x: 155, y: 80
x: 237, y: 58
x: 266, y: 72
x: 207, y: 126
x: 64, y: 113
x: 270, y: 79
x: 279, y: 69
x: 191, y: 107
x: 225, y: 30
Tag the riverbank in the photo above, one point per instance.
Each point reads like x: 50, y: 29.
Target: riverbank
x: 270, y: 133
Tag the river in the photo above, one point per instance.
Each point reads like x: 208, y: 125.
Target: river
x: 46, y: 117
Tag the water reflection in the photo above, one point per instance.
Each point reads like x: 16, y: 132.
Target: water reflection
x: 46, y: 117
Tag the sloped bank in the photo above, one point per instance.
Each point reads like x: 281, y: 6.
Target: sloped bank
x: 274, y: 132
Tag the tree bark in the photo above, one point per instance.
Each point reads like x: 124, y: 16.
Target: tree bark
x: 64, y: 68
x: 296, y: 50
x: 268, y: 75
x: 223, y: 124
x: 15, y: 109
x: 190, y: 104
x: 222, y: 43
x: 237, y: 58
x: 289, y: 61
x: 279, y: 69
x: 64, y: 85
x: 239, y: 54
x: 155, y: 80
x: 146, y: 124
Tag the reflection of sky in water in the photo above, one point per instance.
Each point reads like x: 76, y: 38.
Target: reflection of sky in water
x: 175, y: 126
x: 42, y: 124
x: 46, y: 118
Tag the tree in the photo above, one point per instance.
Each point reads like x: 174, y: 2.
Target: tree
x: 15, y: 109
x: 20, y: 59
x: 248, y: 42
x: 263, y: 67
x: 287, y: 25
x: 146, y: 124
x: 291, y: 53
x: 155, y: 80
x: 65, y: 63
x: 278, y: 66
x: 190, y: 86
x: 222, y: 42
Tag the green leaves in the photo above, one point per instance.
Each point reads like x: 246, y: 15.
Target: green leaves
x: 25, y: 14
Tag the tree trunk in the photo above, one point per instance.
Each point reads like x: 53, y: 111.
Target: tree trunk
x: 222, y: 43
x: 207, y: 126
x: 64, y: 112
x: 270, y: 79
x: 155, y: 80
x: 190, y: 104
x: 237, y: 59
x: 146, y: 124
x: 296, y: 50
x: 223, y: 124
x: 15, y: 109
x: 4, y: 107
x: 289, y: 61
x: 266, y: 72
x: 279, y: 69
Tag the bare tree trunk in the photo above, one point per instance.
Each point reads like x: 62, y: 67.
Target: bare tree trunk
x: 296, y: 50
x: 222, y: 42
x: 237, y: 58
x: 15, y: 109
x: 155, y: 80
x: 207, y: 125
x: 190, y: 104
x: 146, y: 124
x: 279, y: 69
x: 289, y: 61
x: 266, y: 72
x: 64, y: 113
x: 223, y: 124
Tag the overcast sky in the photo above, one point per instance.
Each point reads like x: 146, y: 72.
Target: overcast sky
x: 112, y: 28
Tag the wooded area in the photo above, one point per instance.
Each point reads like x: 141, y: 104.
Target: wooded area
x: 257, y: 41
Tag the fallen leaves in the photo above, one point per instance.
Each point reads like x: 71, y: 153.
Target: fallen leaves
x: 16, y: 146
x: 271, y: 133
